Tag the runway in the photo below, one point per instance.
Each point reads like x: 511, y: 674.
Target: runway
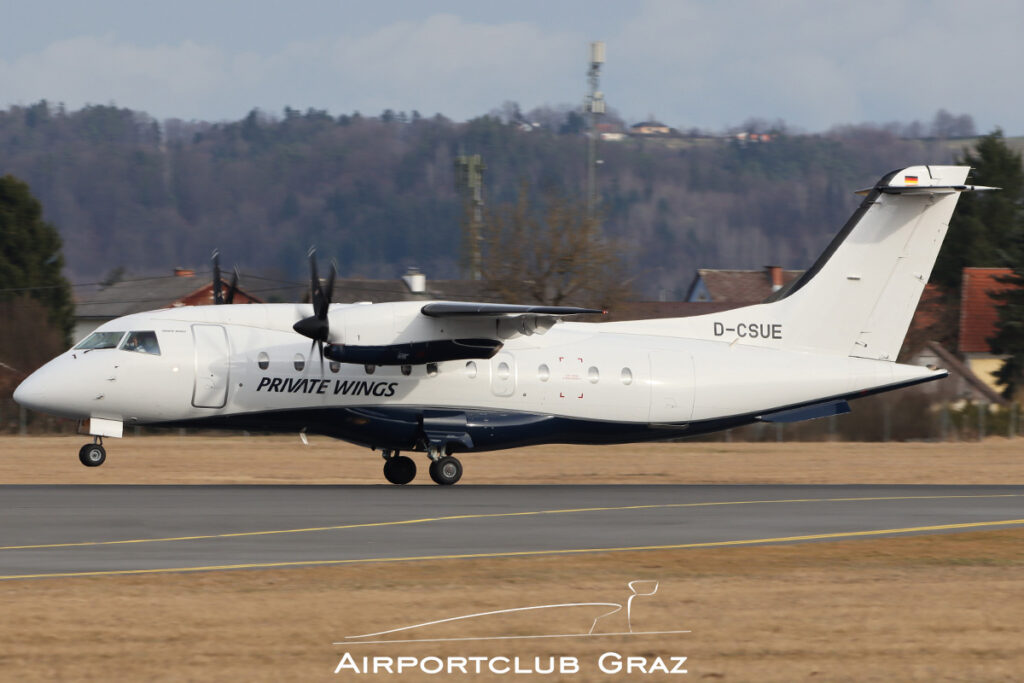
x: 54, y: 531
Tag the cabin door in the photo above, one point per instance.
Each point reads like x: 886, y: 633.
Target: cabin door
x: 211, y: 387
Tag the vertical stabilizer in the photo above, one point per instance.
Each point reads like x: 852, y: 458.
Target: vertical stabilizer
x: 860, y: 295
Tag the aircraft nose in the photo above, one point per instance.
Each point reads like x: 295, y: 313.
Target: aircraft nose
x: 51, y: 389
x: 32, y: 392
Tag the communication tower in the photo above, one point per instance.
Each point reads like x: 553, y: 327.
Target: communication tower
x: 469, y: 180
x: 594, y: 107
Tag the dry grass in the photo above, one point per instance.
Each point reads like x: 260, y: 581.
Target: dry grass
x: 929, y: 608
x: 284, y: 460
x: 943, y: 607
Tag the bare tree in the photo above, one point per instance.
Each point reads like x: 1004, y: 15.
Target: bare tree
x: 27, y: 340
x: 550, y: 252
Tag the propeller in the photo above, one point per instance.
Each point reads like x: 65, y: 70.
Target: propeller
x: 218, y: 295
x: 316, y: 326
x: 218, y: 285
x: 233, y: 287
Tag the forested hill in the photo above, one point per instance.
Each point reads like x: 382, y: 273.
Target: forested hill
x: 378, y: 193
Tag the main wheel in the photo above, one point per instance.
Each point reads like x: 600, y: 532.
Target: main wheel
x: 446, y: 471
x: 400, y: 469
x: 92, y: 455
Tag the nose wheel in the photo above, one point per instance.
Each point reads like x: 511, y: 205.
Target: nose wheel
x: 398, y: 469
x: 92, y: 454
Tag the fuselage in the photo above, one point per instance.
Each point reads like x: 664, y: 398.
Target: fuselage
x: 242, y: 367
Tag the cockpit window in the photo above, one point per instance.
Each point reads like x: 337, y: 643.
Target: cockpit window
x: 100, y: 340
x: 141, y: 342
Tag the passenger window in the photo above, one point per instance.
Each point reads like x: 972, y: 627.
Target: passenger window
x: 141, y: 342
x: 100, y: 340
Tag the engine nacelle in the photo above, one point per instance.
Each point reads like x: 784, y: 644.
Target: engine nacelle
x: 414, y: 353
x: 397, y: 333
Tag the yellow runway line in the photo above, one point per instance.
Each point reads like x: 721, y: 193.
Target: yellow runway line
x: 450, y: 518
x: 527, y: 553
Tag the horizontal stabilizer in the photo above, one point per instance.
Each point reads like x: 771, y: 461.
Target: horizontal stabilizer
x: 927, y: 189
x: 812, y: 412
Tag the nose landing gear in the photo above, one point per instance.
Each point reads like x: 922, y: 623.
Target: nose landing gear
x: 398, y: 469
x: 93, y: 454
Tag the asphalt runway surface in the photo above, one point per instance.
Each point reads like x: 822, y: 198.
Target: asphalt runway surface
x: 71, y: 530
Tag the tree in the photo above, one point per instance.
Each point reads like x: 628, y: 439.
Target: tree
x: 946, y: 125
x: 551, y: 253
x: 30, y: 256
x: 982, y: 221
x: 574, y: 124
x: 1009, y: 337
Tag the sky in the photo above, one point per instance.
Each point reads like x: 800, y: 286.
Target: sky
x: 710, y: 65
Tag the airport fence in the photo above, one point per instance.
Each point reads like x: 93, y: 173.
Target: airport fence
x: 887, y: 417
x: 892, y: 417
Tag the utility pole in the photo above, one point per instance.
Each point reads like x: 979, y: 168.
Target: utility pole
x: 469, y: 181
x: 594, y: 107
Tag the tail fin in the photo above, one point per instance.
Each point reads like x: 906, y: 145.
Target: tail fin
x: 860, y: 295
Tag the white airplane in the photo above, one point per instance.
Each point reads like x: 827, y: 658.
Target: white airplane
x: 447, y: 377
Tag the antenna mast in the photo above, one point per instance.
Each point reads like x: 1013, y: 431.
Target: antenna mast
x: 594, y: 107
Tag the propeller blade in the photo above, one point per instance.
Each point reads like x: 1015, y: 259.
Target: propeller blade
x: 230, y: 298
x: 319, y: 345
x: 316, y: 326
x: 218, y: 294
x: 329, y: 294
x: 316, y: 292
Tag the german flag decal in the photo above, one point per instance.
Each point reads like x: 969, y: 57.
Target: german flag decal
x: 911, y: 180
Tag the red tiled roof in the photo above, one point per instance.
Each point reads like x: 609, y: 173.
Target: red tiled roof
x: 929, y: 308
x: 643, y: 310
x: 978, y: 311
x: 742, y: 286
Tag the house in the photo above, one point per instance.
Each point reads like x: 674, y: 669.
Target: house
x: 753, y: 137
x: 961, y: 384
x: 643, y: 310
x: 413, y: 286
x: 739, y: 286
x: 978, y: 317
x: 135, y: 295
x: 650, y: 128
x: 610, y: 132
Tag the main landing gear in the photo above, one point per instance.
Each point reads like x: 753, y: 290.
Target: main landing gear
x: 93, y: 454
x: 445, y: 470
x: 401, y: 469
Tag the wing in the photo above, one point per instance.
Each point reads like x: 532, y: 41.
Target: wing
x: 444, y: 309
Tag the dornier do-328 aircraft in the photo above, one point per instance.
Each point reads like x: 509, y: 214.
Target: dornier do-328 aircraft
x: 447, y: 377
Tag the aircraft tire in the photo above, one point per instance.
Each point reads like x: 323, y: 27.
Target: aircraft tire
x: 92, y: 455
x: 400, y: 469
x: 446, y: 471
